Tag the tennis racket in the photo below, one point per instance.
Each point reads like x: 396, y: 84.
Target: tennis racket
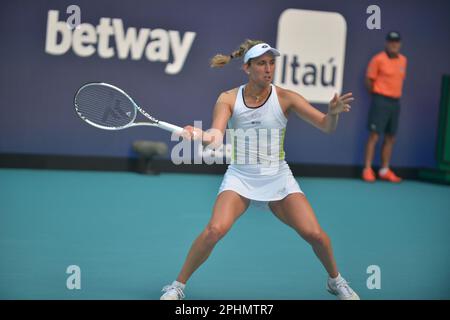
x: 105, y: 106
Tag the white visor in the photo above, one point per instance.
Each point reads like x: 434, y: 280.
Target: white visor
x: 259, y: 50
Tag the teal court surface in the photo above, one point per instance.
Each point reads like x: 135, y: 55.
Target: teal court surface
x: 129, y: 235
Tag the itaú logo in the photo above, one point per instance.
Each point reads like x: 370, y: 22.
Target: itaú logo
x: 109, y: 39
x: 312, y: 46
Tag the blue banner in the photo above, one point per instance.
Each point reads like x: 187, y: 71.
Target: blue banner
x: 159, y: 51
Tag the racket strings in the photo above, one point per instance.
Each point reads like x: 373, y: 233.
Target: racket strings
x: 104, y: 106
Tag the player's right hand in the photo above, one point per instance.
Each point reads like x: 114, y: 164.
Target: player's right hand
x: 191, y: 133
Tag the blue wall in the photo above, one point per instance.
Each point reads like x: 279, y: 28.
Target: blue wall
x: 36, y: 108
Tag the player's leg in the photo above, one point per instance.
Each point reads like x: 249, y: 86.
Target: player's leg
x: 295, y: 211
x: 229, y: 206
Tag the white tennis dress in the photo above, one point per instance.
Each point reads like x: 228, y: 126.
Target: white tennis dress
x: 258, y: 170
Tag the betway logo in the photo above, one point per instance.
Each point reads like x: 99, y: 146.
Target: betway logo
x: 157, y: 45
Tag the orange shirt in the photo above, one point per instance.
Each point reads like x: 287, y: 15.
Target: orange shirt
x: 387, y: 74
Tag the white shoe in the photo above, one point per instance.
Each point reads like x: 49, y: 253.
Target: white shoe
x: 342, y: 290
x: 172, y: 292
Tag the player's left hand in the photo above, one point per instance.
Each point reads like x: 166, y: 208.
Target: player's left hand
x: 340, y: 103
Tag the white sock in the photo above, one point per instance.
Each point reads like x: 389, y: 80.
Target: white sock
x: 334, y: 280
x: 179, y: 284
x: 383, y: 171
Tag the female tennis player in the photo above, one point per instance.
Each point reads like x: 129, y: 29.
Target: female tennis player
x: 260, y: 106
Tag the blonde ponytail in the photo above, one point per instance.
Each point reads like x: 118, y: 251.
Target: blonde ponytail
x: 219, y: 60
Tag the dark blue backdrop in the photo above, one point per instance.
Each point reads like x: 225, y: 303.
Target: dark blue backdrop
x: 36, y: 111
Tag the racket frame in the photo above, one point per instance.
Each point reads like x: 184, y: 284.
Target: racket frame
x: 154, y: 122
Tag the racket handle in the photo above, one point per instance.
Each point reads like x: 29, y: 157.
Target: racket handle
x: 169, y: 127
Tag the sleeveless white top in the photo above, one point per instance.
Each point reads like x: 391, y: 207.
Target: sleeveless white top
x: 258, y: 170
x: 257, y: 133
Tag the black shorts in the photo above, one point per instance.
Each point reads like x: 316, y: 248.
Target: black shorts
x: 383, y: 114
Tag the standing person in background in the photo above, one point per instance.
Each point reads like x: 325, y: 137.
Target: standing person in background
x: 384, y: 80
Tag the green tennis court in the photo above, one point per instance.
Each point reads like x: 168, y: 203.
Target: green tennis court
x: 129, y: 235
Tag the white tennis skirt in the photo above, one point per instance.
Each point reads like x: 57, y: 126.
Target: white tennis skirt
x: 260, y: 184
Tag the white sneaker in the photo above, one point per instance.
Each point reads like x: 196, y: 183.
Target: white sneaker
x: 172, y: 292
x: 342, y: 290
